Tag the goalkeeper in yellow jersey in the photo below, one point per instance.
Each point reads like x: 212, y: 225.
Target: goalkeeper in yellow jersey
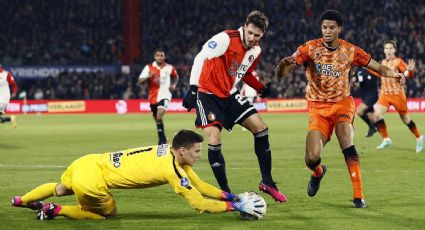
x: 91, y: 178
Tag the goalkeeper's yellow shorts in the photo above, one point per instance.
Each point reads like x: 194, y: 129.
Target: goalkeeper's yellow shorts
x: 84, y: 177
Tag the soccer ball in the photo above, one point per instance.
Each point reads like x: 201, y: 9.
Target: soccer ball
x: 258, y: 205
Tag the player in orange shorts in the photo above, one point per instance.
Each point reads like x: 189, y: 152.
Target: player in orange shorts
x: 328, y: 61
x: 392, y: 93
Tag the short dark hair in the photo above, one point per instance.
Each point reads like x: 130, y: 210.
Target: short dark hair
x: 186, y: 138
x: 258, y: 19
x: 333, y: 15
x: 391, y: 42
x: 158, y: 50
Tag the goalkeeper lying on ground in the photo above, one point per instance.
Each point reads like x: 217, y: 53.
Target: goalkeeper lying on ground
x: 92, y: 176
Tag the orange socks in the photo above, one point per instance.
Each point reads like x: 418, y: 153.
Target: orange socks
x: 353, y: 165
x: 318, y: 171
x: 356, y: 178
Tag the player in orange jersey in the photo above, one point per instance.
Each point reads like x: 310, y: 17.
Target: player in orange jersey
x: 328, y: 61
x: 163, y: 79
x: 392, y: 93
x: 224, y: 60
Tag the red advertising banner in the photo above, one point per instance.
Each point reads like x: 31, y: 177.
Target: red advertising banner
x: 142, y: 106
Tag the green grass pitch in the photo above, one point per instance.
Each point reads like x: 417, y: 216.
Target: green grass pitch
x: 39, y: 149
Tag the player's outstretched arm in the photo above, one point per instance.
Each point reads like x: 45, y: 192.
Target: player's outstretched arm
x: 383, y: 70
x: 207, y: 189
x: 285, y: 66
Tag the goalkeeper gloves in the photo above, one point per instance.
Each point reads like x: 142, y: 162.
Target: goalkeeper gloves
x: 228, y: 196
x: 189, y: 100
x: 251, y: 205
x: 265, y: 92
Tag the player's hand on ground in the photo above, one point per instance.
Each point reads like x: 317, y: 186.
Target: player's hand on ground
x: 265, y: 92
x: 189, y: 100
x: 411, y: 64
x: 228, y: 196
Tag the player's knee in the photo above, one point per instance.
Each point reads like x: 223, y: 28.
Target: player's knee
x: 61, y: 190
x: 259, y: 128
x: 213, y: 137
x: 405, y: 119
x: 311, y: 156
x: 159, y: 119
x: 214, y: 140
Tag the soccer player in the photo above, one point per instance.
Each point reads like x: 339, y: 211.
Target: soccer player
x: 91, y: 178
x: 328, y: 61
x: 7, y: 82
x: 392, y: 93
x: 224, y: 60
x: 369, y: 88
x: 163, y: 79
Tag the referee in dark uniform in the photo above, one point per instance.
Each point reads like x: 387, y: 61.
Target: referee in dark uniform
x: 369, y: 90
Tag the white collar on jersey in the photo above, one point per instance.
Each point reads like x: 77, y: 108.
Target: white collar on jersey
x: 157, y: 66
x: 241, y: 32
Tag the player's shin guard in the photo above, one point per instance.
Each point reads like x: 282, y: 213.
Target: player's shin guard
x: 264, y: 155
x: 218, y: 166
x: 353, y: 165
x: 161, y: 132
x: 382, y: 128
x: 42, y: 192
x: 316, y: 167
x: 414, y: 129
x: 366, y: 119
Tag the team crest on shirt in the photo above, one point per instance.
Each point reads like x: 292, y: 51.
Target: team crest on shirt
x: 162, y: 150
x: 184, y: 182
x: 211, y: 116
x: 251, y: 58
x: 212, y: 44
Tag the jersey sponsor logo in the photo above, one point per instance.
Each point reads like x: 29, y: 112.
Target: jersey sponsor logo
x: 327, y: 70
x: 184, y: 182
x: 212, y: 44
x: 211, y: 116
x: 162, y: 150
x: 344, y: 116
x: 237, y: 70
x: 116, y: 158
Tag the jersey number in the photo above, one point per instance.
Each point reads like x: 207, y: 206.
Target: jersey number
x: 241, y: 99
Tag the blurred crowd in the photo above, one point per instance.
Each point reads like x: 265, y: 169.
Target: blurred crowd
x: 52, y: 32
x: 89, y: 32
